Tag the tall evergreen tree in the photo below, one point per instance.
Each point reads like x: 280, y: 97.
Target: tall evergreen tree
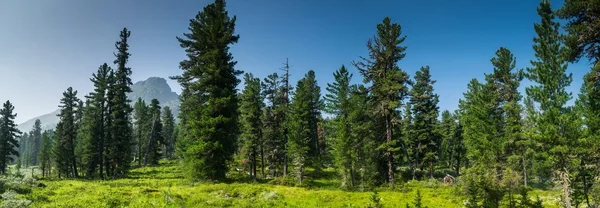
x: 120, y: 143
x: 155, y: 138
x: 549, y: 91
x: 445, y: 127
x: 251, y: 106
x: 46, y: 153
x: 338, y: 104
x: 582, y: 28
x: 142, y: 126
x: 388, y: 83
x: 506, y: 80
x: 588, y: 147
x: 305, y: 108
x: 209, y: 102
x: 35, y: 137
x: 96, y: 121
x: 23, y: 150
x: 284, y: 110
x: 8, y: 136
x: 65, y: 146
x: 274, y: 142
x: 366, y: 142
x: 425, y: 112
x: 168, y: 131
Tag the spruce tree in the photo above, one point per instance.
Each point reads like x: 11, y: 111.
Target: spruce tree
x: 23, y: 150
x: 445, y: 128
x: 96, y: 120
x: 208, y: 101
x: 582, y: 27
x: 425, y: 112
x: 168, y: 132
x: 46, y: 153
x: 274, y: 144
x: 588, y: 146
x: 338, y: 104
x: 67, y: 134
x: 362, y: 125
x: 142, y: 126
x: 120, y: 143
x: 549, y: 77
x: 8, y: 136
x: 35, y: 138
x: 388, y: 83
x: 251, y: 106
x: 155, y: 138
x: 305, y: 108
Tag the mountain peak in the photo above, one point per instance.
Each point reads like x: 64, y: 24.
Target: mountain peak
x: 151, y: 88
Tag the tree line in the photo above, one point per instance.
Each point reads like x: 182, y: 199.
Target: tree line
x: 386, y: 130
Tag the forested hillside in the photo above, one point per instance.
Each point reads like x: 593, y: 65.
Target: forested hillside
x: 501, y: 147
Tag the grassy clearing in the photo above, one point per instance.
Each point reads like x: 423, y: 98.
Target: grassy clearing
x: 164, y: 186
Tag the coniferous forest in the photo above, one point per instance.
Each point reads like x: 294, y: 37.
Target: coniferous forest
x: 245, y: 137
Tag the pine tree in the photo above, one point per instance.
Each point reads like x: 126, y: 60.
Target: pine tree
x: 251, y: 106
x: 480, y: 119
x: 425, y: 112
x: 35, y: 138
x: 155, y: 138
x: 588, y: 147
x: 583, y: 38
x: 338, y: 104
x: 304, y: 116
x: 67, y: 134
x: 120, y: 143
x: 284, y: 110
x: 142, y: 126
x: 362, y: 125
x: 549, y: 91
x: 506, y: 80
x: 445, y: 127
x: 168, y: 131
x: 208, y: 101
x: 388, y: 83
x: 8, y: 136
x: 23, y: 150
x: 96, y: 117
x: 274, y: 144
x: 46, y: 153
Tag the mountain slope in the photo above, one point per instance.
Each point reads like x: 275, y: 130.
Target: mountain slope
x: 153, y: 87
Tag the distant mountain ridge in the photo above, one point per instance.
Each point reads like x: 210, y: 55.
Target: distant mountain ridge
x: 151, y: 88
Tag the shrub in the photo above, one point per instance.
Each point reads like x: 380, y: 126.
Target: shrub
x: 375, y: 200
x: 10, y: 200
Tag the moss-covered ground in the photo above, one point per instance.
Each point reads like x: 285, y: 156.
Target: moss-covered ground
x: 164, y: 186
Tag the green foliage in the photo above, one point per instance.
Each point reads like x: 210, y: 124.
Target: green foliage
x: 142, y: 126
x: 35, y: 139
x: 388, y: 84
x: 343, y: 145
x: 66, y: 132
x: 152, y: 152
x: 304, y: 117
x: 45, y: 156
x: 118, y: 146
x: 582, y: 26
x: 375, y: 200
x: 209, y: 103
x: 168, y: 131
x: 424, y: 138
x: 251, y: 109
x: 8, y: 136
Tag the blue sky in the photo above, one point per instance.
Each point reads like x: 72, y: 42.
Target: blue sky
x: 48, y: 46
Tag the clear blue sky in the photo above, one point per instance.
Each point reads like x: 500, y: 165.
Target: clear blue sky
x: 48, y: 46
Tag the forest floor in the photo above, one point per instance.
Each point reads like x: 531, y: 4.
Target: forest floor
x: 164, y: 186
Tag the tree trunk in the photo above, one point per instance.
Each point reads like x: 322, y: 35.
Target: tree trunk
x: 431, y: 169
x: 458, y: 165
x: 524, y: 172
x: 390, y: 162
x: 564, y: 177
x: 254, y: 162
x: 262, y: 162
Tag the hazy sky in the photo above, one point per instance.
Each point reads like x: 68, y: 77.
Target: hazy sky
x: 48, y: 46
